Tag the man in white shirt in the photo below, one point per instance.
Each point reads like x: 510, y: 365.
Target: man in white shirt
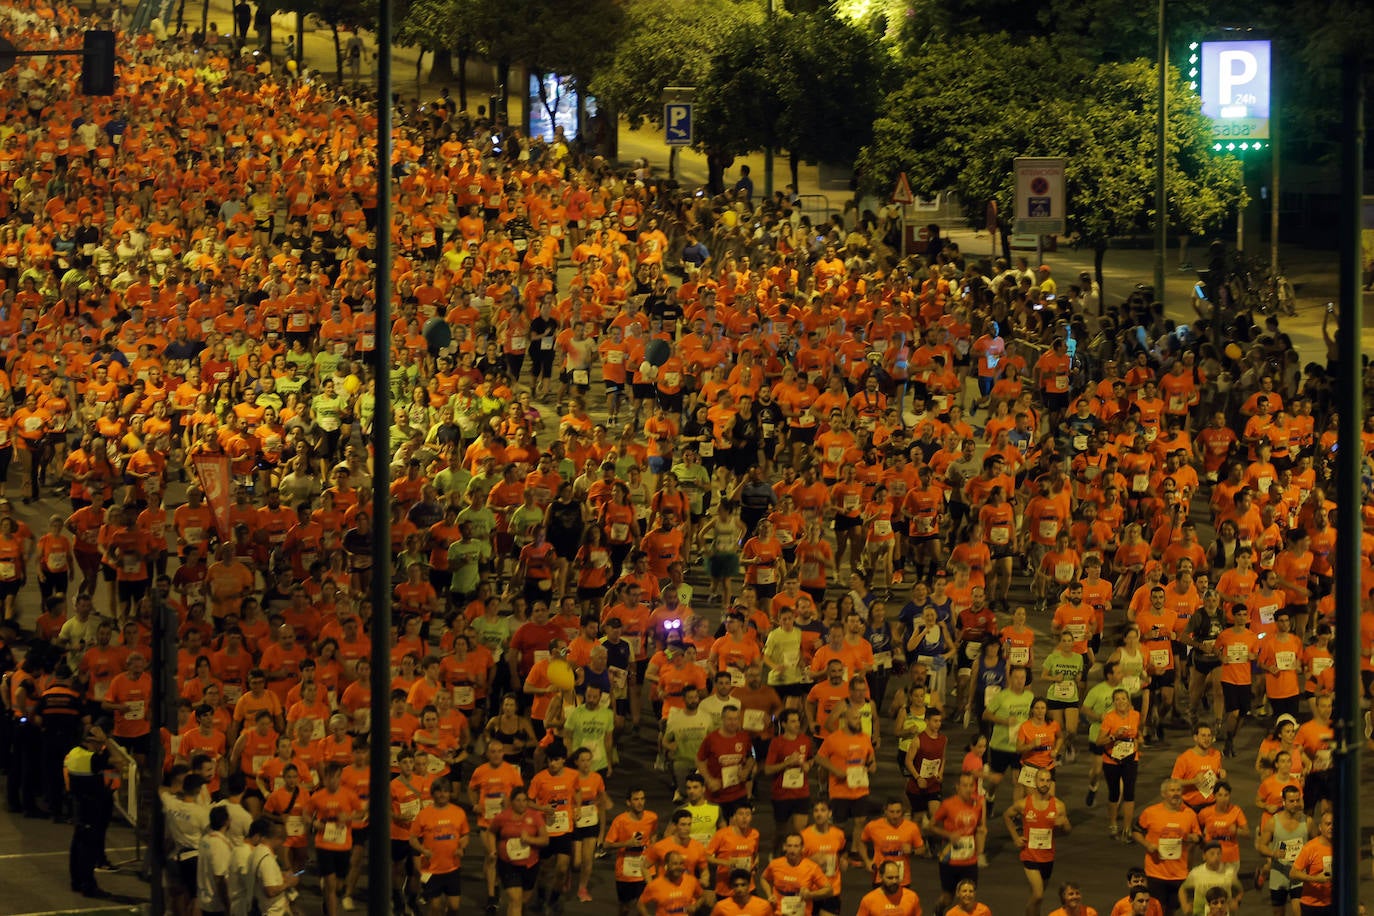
x: 212, y: 865
x: 188, y: 818
x: 239, y: 818
x: 256, y: 873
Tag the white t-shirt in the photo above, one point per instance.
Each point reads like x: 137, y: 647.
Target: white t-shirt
x: 239, y: 822
x: 215, y: 854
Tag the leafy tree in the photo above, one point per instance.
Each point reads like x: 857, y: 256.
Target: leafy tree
x: 443, y: 28
x: 666, y: 43
x: 351, y: 15
x: 953, y: 129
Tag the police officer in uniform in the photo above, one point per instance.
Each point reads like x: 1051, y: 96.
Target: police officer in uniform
x: 86, y: 769
x: 58, y: 714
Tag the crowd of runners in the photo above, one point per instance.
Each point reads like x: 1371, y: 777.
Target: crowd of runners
x: 688, y: 477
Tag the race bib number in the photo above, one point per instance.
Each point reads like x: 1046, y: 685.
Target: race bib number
x: 581, y: 377
x: 1159, y: 658
x: 620, y: 531
x: 672, y: 379
x: 1040, y: 838
x: 409, y: 809
x: 882, y: 527
x: 8, y: 570
x: 1140, y: 483
x: 856, y: 777
x: 632, y: 866
x: 335, y: 833
x: 1237, y: 654
x: 464, y: 696
x: 791, y: 906
x: 1063, y: 572
x: 793, y: 778
x: 729, y: 776
x: 1320, y: 666
x: 1062, y: 691
x: 135, y: 710
x: 1027, y: 777
x: 1018, y: 656
x: 1206, y: 782
x: 295, y: 825
x: 588, y: 816
x: 755, y: 720
x: 851, y: 502
x: 1285, y: 661
x: 1121, y: 750
x: 767, y: 575
x: 999, y: 535
x: 560, y: 823
x: 1048, y: 528
x: 517, y: 850
x: 492, y: 805
x: 1288, y: 851
x: 1080, y: 443
x: 1170, y: 848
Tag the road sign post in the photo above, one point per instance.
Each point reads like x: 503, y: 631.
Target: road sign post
x: 1039, y: 196
x: 677, y: 123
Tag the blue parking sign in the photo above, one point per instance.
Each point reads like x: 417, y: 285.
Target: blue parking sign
x: 677, y: 123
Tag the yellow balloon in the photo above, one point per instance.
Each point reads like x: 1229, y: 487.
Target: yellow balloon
x: 1234, y: 351
x: 561, y: 674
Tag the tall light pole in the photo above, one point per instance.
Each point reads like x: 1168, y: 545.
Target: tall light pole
x: 1346, y: 719
x: 768, y: 150
x: 1161, y: 139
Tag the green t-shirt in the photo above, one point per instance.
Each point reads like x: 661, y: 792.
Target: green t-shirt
x: 1098, y: 701
x: 523, y: 520
x: 1013, y: 706
x: 695, y: 481
x: 494, y: 634
x: 452, y: 481
x: 588, y: 728
x: 483, y: 522
x: 1071, y: 667
x: 463, y: 560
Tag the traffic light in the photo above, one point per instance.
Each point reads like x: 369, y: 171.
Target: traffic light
x: 98, y: 63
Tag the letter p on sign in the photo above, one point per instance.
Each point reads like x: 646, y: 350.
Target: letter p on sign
x: 677, y: 123
x: 1238, y: 69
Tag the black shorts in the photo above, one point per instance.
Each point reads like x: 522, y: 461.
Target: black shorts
x: 1044, y: 868
x: 511, y: 876
x: 803, y: 434
x: 1061, y: 704
x: 629, y: 891
x: 132, y: 589
x: 448, y: 884
x: 1285, y: 706
x: 786, y: 808
x: 1163, y: 890
x: 1205, y: 666
x: 400, y: 850
x: 186, y: 872
x: 951, y: 875
x: 1310, y: 910
x: 586, y: 833
x: 10, y: 587
x: 1318, y: 787
x: 1163, y: 679
x: 333, y: 862
x: 137, y: 745
x: 829, y: 904
x: 1279, y: 896
x: 559, y: 846
x: 1001, y: 761
x: 845, y: 809
x: 845, y: 523
x: 1056, y: 401
x: 1236, y: 697
x: 920, y: 801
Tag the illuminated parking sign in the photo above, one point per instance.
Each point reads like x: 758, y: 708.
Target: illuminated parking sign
x: 1235, y: 89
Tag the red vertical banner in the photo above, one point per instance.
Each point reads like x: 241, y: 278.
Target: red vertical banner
x: 217, y: 480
